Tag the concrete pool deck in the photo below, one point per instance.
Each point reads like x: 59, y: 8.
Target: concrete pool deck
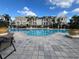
x: 56, y: 46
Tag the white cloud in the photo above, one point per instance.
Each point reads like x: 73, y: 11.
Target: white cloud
x: 12, y: 18
x: 77, y: 1
x: 26, y: 8
x: 62, y: 3
x: 62, y: 14
x: 76, y: 10
x: 51, y: 8
x: 70, y: 17
x: 26, y: 11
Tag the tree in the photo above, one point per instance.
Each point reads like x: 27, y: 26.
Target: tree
x: 75, y: 22
x: 59, y: 22
x: 7, y: 19
x: 75, y: 19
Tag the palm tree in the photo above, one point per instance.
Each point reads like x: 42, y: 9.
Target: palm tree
x: 58, y: 22
x: 75, y: 19
x: 30, y: 19
x: 7, y: 19
x: 33, y: 19
x: 75, y: 22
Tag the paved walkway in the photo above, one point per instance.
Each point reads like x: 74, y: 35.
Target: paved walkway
x: 52, y: 47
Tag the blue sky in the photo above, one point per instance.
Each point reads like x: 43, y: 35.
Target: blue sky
x: 39, y: 7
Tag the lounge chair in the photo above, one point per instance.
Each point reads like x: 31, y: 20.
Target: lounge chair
x: 5, y: 42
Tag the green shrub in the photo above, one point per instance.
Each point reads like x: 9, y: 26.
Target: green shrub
x: 74, y: 23
x: 3, y: 24
x: 74, y: 26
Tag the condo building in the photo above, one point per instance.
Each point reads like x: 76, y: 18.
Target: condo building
x: 20, y: 21
x: 45, y: 21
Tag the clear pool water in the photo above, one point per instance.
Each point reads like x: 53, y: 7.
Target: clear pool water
x: 39, y: 32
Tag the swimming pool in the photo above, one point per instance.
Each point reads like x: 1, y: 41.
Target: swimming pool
x: 39, y: 32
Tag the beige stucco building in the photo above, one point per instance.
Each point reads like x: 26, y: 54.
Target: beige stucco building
x: 39, y: 21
